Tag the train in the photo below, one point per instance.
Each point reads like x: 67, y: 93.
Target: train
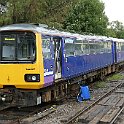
x: 38, y: 62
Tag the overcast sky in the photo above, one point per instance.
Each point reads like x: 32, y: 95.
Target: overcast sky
x: 114, y: 10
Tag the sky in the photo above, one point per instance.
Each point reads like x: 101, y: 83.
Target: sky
x: 114, y: 9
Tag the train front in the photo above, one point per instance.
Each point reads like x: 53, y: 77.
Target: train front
x: 21, y: 67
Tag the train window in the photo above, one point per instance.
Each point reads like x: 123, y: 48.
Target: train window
x: 26, y: 47
x: 69, y: 47
x: 92, y: 47
x: 122, y: 46
x: 118, y: 47
x: 8, y: 48
x: 46, y: 47
x: 97, y: 47
x: 78, y: 47
x: 100, y: 47
x: 85, y: 47
x: 18, y: 46
x: 107, y: 47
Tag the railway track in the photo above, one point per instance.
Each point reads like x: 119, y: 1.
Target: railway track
x: 14, y: 115
x: 103, y: 111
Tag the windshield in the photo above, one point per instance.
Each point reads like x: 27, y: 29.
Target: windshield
x: 17, y: 46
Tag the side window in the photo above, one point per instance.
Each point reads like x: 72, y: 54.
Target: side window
x: 96, y: 47
x: 92, y: 47
x: 85, y: 47
x: 69, y: 47
x: 118, y: 46
x: 46, y: 47
x: 122, y: 46
x: 107, y: 47
x: 78, y: 47
x: 100, y: 47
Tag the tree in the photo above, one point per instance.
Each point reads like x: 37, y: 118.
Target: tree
x: 55, y: 12
x: 51, y: 12
x: 4, y: 19
x: 29, y: 11
x: 24, y: 11
x: 116, y: 29
x: 87, y: 16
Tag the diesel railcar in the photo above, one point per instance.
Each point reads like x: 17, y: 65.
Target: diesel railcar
x: 34, y: 58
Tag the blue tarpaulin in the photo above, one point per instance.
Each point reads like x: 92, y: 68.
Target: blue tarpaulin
x: 84, y: 94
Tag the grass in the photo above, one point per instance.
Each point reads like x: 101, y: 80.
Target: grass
x: 115, y: 77
x: 99, y: 84
x: 102, y: 84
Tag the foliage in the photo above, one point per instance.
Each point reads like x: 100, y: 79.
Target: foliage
x: 24, y: 11
x: 51, y: 12
x: 116, y: 29
x: 87, y: 16
x: 115, y: 77
x: 56, y: 11
x: 111, y: 32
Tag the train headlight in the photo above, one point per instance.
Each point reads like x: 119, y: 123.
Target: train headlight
x: 32, y: 77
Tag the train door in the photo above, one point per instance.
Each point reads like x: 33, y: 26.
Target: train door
x: 48, y: 60
x: 57, y: 57
x: 114, y: 52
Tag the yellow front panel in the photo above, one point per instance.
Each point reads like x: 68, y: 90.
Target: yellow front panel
x: 13, y: 74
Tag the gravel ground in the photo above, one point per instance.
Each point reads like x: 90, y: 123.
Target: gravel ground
x: 71, y: 106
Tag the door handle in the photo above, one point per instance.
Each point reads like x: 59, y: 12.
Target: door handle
x: 66, y: 59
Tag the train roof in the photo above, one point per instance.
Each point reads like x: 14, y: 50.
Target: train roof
x: 116, y: 39
x: 44, y: 29
x: 15, y: 27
